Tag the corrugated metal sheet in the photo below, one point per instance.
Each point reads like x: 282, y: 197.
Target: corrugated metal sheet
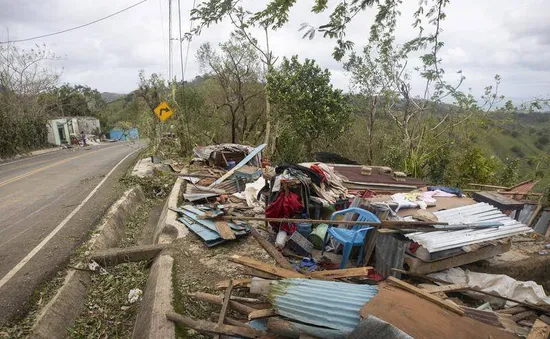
x: 526, y: 213
x: 541, y: 226
x: 439, y: 241
x: 322, y: 303
x: 390, y: 253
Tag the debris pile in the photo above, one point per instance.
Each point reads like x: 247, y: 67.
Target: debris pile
x: 344, y: 238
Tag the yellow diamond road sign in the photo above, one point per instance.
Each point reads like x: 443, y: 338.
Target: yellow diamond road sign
x: 163, y: 111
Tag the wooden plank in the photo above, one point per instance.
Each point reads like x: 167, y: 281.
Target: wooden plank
x: 344, y: 273
x: 540, y: 330
x: 271, y: 250
x: 280, y: 272
x: 498, y: 200
x: 230, y: 321
x: 520, y: 316
x: 260, y: 314
x: 385, y: 223
x: 243, y: 162
x: 222, y: 285
x: 535, y: 213
x: 210, y: 327
x: 257, y: 273
x: 425, y: 295
x: 215, y: 299
x: 224, y: 230
x: 446, y: 288
x: 512, y: 310
x: 225, y: 305
x: 115, y: 256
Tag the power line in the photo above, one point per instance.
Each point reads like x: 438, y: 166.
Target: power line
x: 74, y: 28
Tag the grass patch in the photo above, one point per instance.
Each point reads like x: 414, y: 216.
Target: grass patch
x: 108, y: 313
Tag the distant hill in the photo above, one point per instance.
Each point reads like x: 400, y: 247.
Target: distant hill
x: 110, y: 97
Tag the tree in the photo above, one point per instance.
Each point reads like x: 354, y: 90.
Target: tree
x: 77, y: 100
x: 24, y: 78
x: 215, y: 10
x: 307, y: 102
x: 237, y: 71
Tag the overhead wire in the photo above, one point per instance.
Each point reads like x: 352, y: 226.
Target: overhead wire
x: 76, y: 27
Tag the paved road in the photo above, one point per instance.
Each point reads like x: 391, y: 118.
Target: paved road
x: 43, y: 217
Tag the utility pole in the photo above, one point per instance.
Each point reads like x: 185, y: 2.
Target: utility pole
x: 181, y: 41
x: 170, y: 56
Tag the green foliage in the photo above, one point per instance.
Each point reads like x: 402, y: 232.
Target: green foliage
x: 305, y: 100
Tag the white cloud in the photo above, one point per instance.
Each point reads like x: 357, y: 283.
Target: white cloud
x: 481, y: 38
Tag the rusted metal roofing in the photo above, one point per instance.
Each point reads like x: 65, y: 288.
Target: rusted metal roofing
x: 353, y: 176
x: 481, y: 212
x: 329, y: 304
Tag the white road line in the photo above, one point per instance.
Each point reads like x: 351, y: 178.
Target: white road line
x: 35, y: 250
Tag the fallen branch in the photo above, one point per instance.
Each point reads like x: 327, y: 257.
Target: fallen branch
x: 214, y: 299
x: 209, y: 327
x: 271, y: 250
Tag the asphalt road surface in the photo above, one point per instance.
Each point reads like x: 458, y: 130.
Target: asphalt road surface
x: 48, y: 203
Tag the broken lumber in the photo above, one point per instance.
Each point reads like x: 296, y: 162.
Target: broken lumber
x: 535, y: 213
x: 209, y: 327
x: 224, y: 230
x: 280, y: 272
x: 287, y: 329
x: 115, y: 256
x: 225, y: 306
x: 343, y: 273
x: 230, y: 321
x: 540, y: 330
x: 425, y: 295
x: 473, y: 289
x: 260, y: 314
x: 246, y: 300
x: 385, y: 223
x: 215, y: 299
x: 520, y: 316
x: 257, y: 273
x: 222, y: 285
x: 446, y: 288
x: 512, y: 310
x: 271, y: 250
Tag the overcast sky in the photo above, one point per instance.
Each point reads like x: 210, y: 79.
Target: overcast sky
x: 481, y: 38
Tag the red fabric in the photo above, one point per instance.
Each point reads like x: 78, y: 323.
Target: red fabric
x: 320, y: 171
x: 285, y: 206
x: 413, y: 247
x: 374, y: 276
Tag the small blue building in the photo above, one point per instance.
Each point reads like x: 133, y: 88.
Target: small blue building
x: 127, y: 134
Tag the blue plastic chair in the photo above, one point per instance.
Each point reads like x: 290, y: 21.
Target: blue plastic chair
x: 350, y: 237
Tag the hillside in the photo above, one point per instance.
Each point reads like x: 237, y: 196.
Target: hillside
x: 110, y: 97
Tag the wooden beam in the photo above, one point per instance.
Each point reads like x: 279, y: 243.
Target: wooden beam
x: 260, y: 314
x: 224, y: 230
x: 225, y: 306
x: 446, y: 288
x: 512, y: 310
x: 215, y: 299
x: 229, y: 321
x: 209, y: 327
x: 344, y: 273
x: 520, y: 316
x: 246, y: 300
x: 535, y: 213
x: 540, y: 330
x: 115, y: 256
x: 385, y: 223
x: 280, y: 272
x: 271, y: 250
x: 425, y: 295
x: 222, y: 285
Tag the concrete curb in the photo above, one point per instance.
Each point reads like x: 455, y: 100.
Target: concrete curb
x: 59, y: 313
x: 151, y: 322
x: 168, y: 228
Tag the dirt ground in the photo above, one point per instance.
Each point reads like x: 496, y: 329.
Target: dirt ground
x: 198, y: 268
